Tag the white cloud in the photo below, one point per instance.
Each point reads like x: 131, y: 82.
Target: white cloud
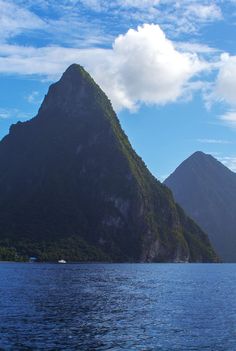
x: 4, y: 114
x: 229, y: 118
x: 139, y: 3
x: 226, y: 81
x: 49, y: 62
x: 103, y: 5
x: 195, y: 47
x: 96, y: 5
x: 187, y: 16
x: 214, y: 141
x: 34, y: 98
x: 14, y: 20
x: 209, y: 12
x: 8, y: 113
x: 225, y: 88
x: 147, y: 68
x: 51, y: 25
x: 142, y: 67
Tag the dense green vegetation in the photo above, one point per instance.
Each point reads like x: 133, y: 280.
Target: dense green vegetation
x: 10, y: 254
x: 72, y: 249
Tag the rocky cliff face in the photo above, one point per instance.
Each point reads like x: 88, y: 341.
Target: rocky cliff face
x: 72, y: 186
x: 206, y: 189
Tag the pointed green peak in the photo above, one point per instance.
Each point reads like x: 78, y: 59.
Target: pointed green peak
x: 76, y: 88
x: 76, y: 71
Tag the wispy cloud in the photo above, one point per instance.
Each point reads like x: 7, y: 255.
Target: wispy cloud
x: 8, y: 113
x: 115, y: 16
x: 188, y: 16
x: 214, y: 141
x: 4, y: 114
x: 14, y: 20
x: 139, y: 3
x: 209, y: 12
x: 47, y: 21
x: 34, y: 98
x: 48, y: 61
x: 229, y: 119
x: 196, y: 47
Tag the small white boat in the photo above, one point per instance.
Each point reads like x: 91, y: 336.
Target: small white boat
x: 61, y: 261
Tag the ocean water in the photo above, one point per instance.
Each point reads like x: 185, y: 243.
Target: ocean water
x: 163, y: 307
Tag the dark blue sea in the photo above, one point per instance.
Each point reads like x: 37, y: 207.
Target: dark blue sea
x: 163, y: 307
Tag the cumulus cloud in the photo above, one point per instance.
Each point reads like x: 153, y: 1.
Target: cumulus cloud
x: 147, y: 68
x: 143, y: 66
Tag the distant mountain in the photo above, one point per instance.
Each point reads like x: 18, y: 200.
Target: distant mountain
x: 72, y: 187
x: 206, y: 189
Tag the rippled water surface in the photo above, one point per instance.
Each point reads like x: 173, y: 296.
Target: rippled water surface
x: 164, y: 307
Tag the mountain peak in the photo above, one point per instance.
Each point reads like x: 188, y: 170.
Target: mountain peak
x: 74, y: 67
x: 198, y: 154
x: 202, y: 155
x: 76, y: 72
x: 75, y: 91
x: 198, y: 166
x: 204, y: 162
x: 198, y: 161
x: 206, y: 189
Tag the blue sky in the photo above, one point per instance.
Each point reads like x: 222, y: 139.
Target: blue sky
x: 169, y: 68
